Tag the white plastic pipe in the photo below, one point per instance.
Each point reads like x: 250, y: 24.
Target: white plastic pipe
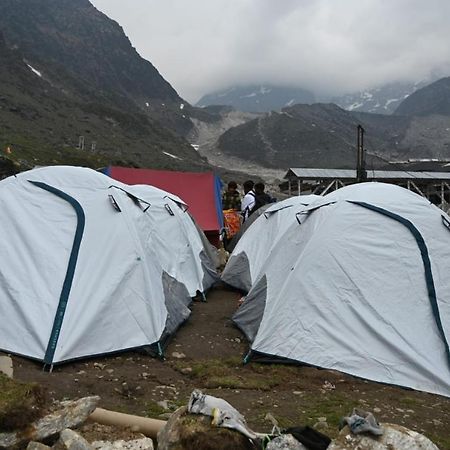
x: 144, y: 425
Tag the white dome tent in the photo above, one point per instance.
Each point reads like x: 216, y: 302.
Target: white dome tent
x: 360, y: 285
x: 82, y: 272
x: 255, y: 245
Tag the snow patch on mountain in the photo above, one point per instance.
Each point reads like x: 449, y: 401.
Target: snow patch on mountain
x: 173, y: 156
x: 35, y: 71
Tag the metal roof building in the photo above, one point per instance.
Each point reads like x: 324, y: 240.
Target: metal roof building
x: 433, y: 185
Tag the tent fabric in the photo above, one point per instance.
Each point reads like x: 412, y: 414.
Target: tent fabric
x: 360, y: 284
x: 201, y: 191
x: 84, y: 264
x: 255, y: 245
x: 245, y: 226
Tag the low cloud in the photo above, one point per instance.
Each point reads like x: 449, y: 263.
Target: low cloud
x: 330, y: 47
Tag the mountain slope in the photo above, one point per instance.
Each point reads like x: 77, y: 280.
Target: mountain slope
x: 74, y: 36
x: 69, y: 71
x: 381, y: 100
x: 42, y: 125
x: 432, y: 99
x: 324, y: 136
x: 262, y: 98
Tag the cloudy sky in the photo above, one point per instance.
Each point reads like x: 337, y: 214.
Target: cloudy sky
x: 328, y: 46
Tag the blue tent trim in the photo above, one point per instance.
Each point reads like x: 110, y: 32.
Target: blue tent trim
x: 68, y: 280
x: 218, y: 194
x: 426, y: 263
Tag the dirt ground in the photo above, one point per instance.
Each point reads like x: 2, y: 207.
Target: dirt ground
x: 207, y: 353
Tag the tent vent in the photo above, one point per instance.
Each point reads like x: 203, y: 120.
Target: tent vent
x: 169, y: 209
x: 114, y: 203
x: 446, y: 222
x: 138, y: 202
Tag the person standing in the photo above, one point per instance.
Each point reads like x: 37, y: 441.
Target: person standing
x: 231, y: 207
x: 231, y: 199
x: 261, y: 197
x: 248, y: 202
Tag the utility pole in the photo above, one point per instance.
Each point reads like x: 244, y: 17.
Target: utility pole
x: 361, y: 174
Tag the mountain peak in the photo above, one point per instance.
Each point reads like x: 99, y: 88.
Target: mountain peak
x: 432, y: 99
x: 257, y: 98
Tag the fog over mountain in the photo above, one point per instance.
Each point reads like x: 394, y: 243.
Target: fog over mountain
x: 327, y: 47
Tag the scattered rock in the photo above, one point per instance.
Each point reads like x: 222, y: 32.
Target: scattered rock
x: 70, y: 440
x: 99, y: 365
x: 186, y: 370
x: 328, y: 386
x: 394, y: 437
x: 136, y: 444
x: 285, y: 442
x: 164, y: 404
x: 70, y: 414
x: 376, y: 410
x: 6, y: 366
x: 322, y: 424
x: 178, y: 355
x: 37, y: 446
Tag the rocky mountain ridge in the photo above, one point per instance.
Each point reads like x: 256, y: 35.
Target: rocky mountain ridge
x: 433, y: 99
x: 379, y: 100
x: 257, y: 98
x: 383, y: 99
x: 324, y: 136
x: 69, y: 71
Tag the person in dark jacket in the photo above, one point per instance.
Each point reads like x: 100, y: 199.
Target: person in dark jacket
x: 261, y: 197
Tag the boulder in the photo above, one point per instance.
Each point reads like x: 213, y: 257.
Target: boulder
x: 285, y: 442
x: 70, y: 414
x: 70, y: 440
x: 394, y: 437
x: 194, y: 431
x: 136, y: 444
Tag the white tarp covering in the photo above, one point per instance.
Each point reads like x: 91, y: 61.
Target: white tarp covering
x: 262, y: 236
x: 362, y: 288
x: 83, y: 271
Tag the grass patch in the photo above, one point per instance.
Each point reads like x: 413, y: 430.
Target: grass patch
x: 20, y: 403
x: 333, y: 406
x: 409, y: 401
x: 230, y: 373
x: 152, y: 409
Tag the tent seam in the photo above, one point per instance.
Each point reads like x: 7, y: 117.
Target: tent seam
x: 70, y: 273
x: 426, y: 263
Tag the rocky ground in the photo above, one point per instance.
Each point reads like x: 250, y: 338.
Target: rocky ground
x: 206, y: 353
x: 205, y: 136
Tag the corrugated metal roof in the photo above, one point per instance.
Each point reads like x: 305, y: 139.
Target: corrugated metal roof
x: 407, y: 175
x: 307, y: 173
x: 322, y: 173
